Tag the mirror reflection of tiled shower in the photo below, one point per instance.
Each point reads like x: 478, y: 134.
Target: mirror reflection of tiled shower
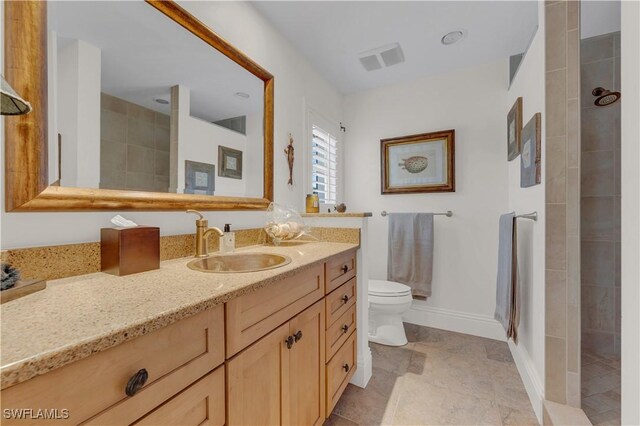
x: 600, y: 227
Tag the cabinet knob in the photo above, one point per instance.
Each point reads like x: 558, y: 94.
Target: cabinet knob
x: 298, y: 336
x: 345, y: 328
x: 346, y: 368
x: 345, y: 298
x: 345, y: 269
x: 289, y: 342
x: 136, y: 382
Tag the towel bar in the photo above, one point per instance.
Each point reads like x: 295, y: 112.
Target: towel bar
x: 533, y: 216
x: 448, y: 213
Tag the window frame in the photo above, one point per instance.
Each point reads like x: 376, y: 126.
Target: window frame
x: 315, y: 118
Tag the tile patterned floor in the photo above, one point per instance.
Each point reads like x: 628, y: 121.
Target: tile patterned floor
x: 601, y: 388
x: 439, y: 378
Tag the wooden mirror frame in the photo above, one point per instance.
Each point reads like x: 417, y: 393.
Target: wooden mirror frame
x: 26, y: 176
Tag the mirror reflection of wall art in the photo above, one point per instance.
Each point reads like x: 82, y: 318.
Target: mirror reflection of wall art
x: 418, y: 163
x: 229, y: 162
x: 514, y: 129
x: 530, y: 166
x: 200, y: 178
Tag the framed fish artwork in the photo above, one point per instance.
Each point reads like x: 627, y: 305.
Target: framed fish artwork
x: 418, y: 163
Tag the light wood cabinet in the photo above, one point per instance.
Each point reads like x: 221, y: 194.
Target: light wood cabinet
x: 340, y: 300
x: 307, y: 367
x: 253, y: 315
x: 280, y: 379
x: 202, y: 403
x: 340, y: 269
x: 286, y: 357
x: 340, y: 369
x: 173, y: 357
x: 257, y: 382
x: 339, y: 331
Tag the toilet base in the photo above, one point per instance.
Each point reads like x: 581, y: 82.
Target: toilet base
x: 387, y: 330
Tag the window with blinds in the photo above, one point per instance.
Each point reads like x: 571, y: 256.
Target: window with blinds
x: 324, y: 151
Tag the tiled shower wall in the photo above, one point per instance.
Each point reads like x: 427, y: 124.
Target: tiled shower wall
x: 134, y: 146
x: 600, y: 197
x: 562, y: 186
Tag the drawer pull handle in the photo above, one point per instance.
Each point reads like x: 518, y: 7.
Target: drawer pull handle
x: 345, y: 269
x: 298, y: 336
x: 345, y: 328
x: 289, y: 342
x: 136, y: 382
x: 345, y: 298
x: 346, y: 368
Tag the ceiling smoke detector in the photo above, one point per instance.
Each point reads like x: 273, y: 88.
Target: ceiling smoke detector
x: 161, y: 101
x: 242, y: 95
x: 381, y: 57
x: 452, y: 37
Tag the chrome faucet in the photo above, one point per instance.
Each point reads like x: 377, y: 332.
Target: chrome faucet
x: 202, y: 233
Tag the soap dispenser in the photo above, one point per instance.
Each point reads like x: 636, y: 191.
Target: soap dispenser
x: 227, y: 240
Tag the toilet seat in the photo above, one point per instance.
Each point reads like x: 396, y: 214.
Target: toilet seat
x: 383, y: 288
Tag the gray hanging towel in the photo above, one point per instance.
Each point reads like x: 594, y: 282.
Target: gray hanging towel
x: 410, y: 259
x: 507, y: 280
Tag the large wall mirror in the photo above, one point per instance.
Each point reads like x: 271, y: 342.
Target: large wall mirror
x: 136, y: 105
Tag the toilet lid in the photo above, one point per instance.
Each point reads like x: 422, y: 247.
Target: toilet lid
x: 388, y: 288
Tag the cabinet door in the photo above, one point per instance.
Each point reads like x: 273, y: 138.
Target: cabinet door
x: 307, y: 372
x: 200, y: 404
x: 258, y: 382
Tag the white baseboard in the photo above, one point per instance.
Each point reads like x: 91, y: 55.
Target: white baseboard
x: 460, y: 322
x: 530, y: 378
x: 365, y: 369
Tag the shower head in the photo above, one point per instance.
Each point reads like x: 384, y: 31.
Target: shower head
x: 605, y: 97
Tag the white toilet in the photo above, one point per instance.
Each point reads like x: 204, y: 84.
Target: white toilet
x: 388, y: 300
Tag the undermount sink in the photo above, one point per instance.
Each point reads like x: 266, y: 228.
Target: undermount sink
x: 239, y: 262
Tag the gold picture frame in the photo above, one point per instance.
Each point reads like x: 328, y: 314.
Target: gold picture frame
x: 27, y: 187
x: 418, y: 163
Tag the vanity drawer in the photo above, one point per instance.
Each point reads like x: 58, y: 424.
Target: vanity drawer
x: 339, y: 371
x: 340, y: 269
x: 340, y: 301
x: 340, y: 331
x: 253, y: 315
x: 202, y: 403
x: 174, y: 357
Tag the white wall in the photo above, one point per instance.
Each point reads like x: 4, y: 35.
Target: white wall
x: 630, y: 56
x: 529, y: 353
x: 599, y: 17
x: 295, y: 81
x: 254, y: 155
x: 198, y: 140
x: 471, y: 101
x: 52, y: 94
x: 78, y: 111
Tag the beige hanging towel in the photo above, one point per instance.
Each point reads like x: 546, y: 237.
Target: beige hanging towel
x: 507, y: 280
x: 410, y: 259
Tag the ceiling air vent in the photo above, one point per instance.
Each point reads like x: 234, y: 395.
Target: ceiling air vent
x: 381, y: 57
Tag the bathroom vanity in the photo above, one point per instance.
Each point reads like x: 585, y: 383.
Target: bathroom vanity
x: 175, y: 345
x: 179, y: 346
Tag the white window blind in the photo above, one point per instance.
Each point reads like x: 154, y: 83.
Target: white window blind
x: 324, y: 175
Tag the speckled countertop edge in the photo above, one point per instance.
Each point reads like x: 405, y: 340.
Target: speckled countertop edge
x: 337, y: 215
x: 78, y: 307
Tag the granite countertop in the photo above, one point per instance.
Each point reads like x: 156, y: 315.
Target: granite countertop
x: 337, y: 215
x: 78, y: 316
